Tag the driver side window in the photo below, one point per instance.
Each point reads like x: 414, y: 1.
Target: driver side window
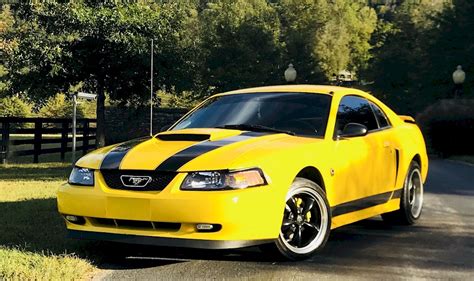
x: 353, y: 109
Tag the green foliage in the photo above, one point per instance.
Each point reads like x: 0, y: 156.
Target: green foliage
x: 15, y: 107
x: 6, y: 23
x: 105, y: 47
x: 408, y: 48
x: 240, y: 44
x: 177, y: 100
x: 300, y: 23
x: 57, y: 106
x: 324, y: 38
x: 60, y: 106
x: 203, y: 46
x: 343, y: 43
x: 418, y: 46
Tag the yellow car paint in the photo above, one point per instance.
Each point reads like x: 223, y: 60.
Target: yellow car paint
x: 349, y: 170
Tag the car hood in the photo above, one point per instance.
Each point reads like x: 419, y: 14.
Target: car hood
x: 188, y: 150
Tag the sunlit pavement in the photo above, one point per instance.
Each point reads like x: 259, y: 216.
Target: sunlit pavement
x: 440, y: 246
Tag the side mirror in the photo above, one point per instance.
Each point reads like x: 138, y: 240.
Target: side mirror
x: 165, y: 127
x: 353, y: 130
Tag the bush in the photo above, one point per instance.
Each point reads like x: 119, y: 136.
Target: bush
x: 15, y: 107
x: 57, y: 106
x: 60, y: 106
x: 449, y: 127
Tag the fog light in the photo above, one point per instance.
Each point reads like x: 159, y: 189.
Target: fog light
x: 75, y: 219
x: 204, y: 226
x: 207, y: 227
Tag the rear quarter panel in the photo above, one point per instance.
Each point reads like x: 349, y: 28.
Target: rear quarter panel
x: 408, y: 139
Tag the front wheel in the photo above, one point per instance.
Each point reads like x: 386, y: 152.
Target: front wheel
x: 306, y: 221
x: 411, y: 201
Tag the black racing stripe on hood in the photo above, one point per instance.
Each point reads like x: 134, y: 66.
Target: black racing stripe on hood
x: 184, y: 156
x: 113, y: 159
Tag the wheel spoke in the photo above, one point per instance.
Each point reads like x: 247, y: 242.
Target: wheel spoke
x: 308, y: 205
x: 311, y: 226
x: 287, y: 223
x: 297, y: 236
x: 292, y: 204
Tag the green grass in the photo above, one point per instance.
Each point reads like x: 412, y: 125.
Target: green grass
x: 33, y: 243
x: 24, y: 265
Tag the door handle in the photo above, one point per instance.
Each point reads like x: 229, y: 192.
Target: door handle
x: 386, y: 144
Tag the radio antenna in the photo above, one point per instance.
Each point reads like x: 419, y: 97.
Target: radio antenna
x: 151, y: 90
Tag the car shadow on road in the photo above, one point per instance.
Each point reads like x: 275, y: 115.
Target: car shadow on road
x: 369, y: 242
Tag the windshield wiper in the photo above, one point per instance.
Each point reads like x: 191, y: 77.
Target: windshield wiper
x: 253, y: 127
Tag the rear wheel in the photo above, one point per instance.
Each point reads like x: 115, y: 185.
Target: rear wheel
x: 306, y: 222
x: 411, y: 201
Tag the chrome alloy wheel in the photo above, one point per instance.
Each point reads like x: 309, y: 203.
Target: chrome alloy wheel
x: 305, y: 221
x: 415, y: 193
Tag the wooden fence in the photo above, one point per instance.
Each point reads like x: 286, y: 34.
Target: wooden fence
x: 26, y: 136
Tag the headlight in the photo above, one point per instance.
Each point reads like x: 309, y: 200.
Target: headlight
x: 219, y: 180
x: 81, y: 176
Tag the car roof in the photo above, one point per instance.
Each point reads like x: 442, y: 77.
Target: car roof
x: 316, y: 89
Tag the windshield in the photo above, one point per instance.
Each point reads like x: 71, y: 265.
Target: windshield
x: 299, y: 113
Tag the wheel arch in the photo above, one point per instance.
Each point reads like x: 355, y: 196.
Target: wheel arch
x: 417, y: 159
x: 313, y: 174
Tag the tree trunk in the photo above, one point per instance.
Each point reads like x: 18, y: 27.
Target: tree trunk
x: 100, y: 133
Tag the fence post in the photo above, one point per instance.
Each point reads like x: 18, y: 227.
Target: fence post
x: 64, y: 137
x: 37, y: 143
x: 5, y: 142
x: 85, y: 136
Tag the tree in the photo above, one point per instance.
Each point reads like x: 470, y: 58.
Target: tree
x: 6, y: 23
x: 300, y: 23
x: 322, y: 38
x: 240, y: 44
x: 104, y: 47
x: 402, y: 66
x: 452, y: 44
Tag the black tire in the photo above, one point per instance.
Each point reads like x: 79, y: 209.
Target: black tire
x: 411, y: 200
x: 306, y: 222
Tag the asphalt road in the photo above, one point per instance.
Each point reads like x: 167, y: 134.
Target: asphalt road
x: 440, y: 246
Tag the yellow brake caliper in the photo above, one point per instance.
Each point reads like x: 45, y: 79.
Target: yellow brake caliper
x: 307, y: 216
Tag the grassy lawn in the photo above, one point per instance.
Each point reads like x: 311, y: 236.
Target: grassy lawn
x: 33, y: 243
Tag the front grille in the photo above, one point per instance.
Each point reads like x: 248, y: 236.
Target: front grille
x: 159, y: 180
x: 145, y: 225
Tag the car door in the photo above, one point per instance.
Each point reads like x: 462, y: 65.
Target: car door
x: 388, y: 156
x: 355, y: 159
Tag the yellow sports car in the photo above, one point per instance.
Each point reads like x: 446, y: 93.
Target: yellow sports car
x: 275, y: 166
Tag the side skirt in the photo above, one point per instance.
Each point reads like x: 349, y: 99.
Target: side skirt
x: 366, y: 207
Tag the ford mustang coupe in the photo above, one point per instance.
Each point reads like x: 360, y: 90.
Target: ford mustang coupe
x: 275, y: 166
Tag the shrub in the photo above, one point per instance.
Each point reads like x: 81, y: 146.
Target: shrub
x: 57, y: 106
x: 449, y: 127
x: 15, y: 107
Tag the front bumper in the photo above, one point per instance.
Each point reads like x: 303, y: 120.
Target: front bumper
x: 168, y: 242
x: 246, y: 217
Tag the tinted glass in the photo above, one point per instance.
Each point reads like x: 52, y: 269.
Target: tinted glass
x: 353, y: 109
x: 302, y: 113
x: 380, y: 115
